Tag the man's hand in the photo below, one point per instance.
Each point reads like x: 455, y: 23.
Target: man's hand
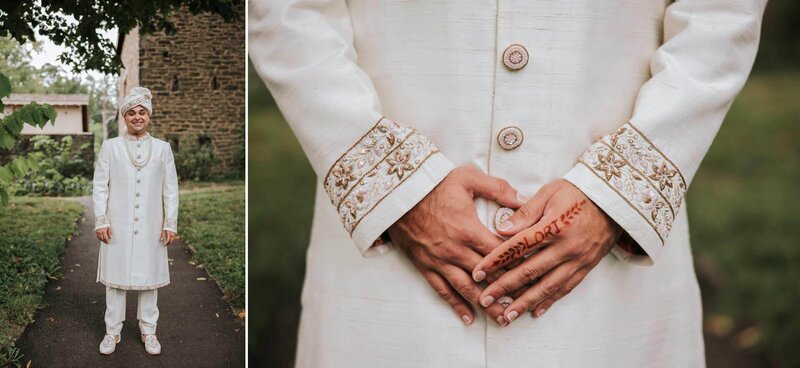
x: 167, y: 237
x: 569, y: 235
x: 104, y: 234
x: 445, y: 240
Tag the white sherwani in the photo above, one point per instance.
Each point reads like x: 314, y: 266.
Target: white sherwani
x: 137, y: 203
x: 621, y: 98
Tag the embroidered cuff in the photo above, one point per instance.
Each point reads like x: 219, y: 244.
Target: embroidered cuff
x: 101, y: 222
x: 385, y: 157
x: 171, y: 225
x: 636, y: 170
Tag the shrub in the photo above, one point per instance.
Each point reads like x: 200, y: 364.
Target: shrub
x: 195, y: 161
x: 61, y: 169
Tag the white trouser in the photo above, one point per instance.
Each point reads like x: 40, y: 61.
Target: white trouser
x: 146, y: 313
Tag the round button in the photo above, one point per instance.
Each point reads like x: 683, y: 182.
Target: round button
x: 138, y: 156
x: 138, y: 169
x: 137, y: 194
x: 510, y: 137
x: 135, y: 232
x: 137, y: 205
x: 138, y: 144
x: 138, y: 180
x: 136, y: 219
x: 515, y: 57
x: 502, y: 214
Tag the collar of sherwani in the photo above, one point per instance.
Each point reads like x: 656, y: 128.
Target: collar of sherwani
x: 143, y: 137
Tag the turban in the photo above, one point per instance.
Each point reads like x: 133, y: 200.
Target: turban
x: 136, y: 97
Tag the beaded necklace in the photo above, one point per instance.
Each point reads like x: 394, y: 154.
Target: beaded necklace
x: 136, y: 163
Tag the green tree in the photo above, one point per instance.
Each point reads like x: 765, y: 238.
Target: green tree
x: 75, y: 24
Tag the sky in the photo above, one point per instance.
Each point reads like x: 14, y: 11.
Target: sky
x: 50, y: 52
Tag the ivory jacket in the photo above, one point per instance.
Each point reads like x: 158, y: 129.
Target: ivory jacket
x: 137, y: 203
x: 620, y: 98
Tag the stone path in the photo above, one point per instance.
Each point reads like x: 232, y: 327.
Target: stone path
x: 196, y: 327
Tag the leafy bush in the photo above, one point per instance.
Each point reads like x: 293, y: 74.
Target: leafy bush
x: 195, y: 161
x: 61, y: 170
x: 32, y: 236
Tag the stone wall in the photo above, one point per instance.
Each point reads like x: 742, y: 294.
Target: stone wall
x: 198, y: 81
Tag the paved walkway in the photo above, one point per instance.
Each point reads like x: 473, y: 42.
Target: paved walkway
x: 195, y: 327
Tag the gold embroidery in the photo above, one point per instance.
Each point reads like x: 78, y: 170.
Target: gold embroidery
x: 640, y: 173
x: 372, y: 168
x: 101, y: 222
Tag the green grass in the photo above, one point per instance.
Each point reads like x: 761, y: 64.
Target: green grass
x: 212, y: 221
x: 33, y: 233
x: 741, y: 208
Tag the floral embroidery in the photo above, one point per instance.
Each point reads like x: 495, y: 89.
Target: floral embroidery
x: 377, y: 164
x: 170, y: 224
x: 101, y: 222
x: 640, y: 173
x: 609, y: 165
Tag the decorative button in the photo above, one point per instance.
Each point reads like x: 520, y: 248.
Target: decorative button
x: 137, y: 205
x: 137, y: 194
x: 510, y: 137
x: 136, y: 219
x: 138, y: 156
x: 135, y: 232
x: 138, y: 169
x: 138, y: 180
x: 515, y: 57
x: 502, y: 214
x: 138, y: 144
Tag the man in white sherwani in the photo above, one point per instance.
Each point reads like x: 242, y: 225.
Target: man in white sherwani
x: 545, y: 149
x: 135, y: 195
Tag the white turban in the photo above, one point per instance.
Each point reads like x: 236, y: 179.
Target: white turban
x: 137, y: 96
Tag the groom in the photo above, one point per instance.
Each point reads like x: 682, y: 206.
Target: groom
x: 135, y: 195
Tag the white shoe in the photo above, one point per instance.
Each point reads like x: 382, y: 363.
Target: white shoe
x: 151, y: 344
x: 109, y: 344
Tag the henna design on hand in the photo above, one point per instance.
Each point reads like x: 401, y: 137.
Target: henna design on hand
x: 529, y: 242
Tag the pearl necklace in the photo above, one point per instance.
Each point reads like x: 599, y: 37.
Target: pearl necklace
x: 134, y: 162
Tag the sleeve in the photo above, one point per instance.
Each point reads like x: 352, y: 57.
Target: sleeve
x: 100, y: 187
x: 170, y: 192
x: 373, y: 169
x: 639, y: 173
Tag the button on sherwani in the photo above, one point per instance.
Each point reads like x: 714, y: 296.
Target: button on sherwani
x: 137, y: 203
x: 620, y: 98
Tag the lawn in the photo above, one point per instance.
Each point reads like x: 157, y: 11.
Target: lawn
x: 33, y: 233
x: 212, y: 222
x: 741, y: 210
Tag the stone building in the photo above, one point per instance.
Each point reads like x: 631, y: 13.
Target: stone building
x: 197, y: 77
x: 72, y: 110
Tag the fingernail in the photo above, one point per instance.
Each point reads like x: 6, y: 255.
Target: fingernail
x: 512, y: 316
x: 522, y: 198
x: 487, y: 301
x: 502, y: 321
x: 466, y: 319
x: 540, y: 312
x: 505, y: 225
x: 479, y: 276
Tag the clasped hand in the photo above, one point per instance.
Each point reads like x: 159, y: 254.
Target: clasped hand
x: 556, y: 238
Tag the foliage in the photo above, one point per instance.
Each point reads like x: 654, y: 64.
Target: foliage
x: 10, y: 128
x: 76, y: 24
x: 32, y: 236
x: 280, y: 213
x: 212, y: 221
x: 60, y: 172
x: 194, y: 161
x: 744, y: 228
x: 17, y: 64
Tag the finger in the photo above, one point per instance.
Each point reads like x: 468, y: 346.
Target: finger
x: 520, y: 245
x: 481, y: 239
x: 528, y: 214
x: 109, y: 233
x: 570, y: 285
x: 446, y: 292
x: 496, y: 189
x: 163, y: 235
x: 522, y: 276
x: 546, y: 287
x: 460, y: 282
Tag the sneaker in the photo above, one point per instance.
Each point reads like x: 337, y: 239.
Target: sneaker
x: 109, y: 344
x: 151, y: 344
